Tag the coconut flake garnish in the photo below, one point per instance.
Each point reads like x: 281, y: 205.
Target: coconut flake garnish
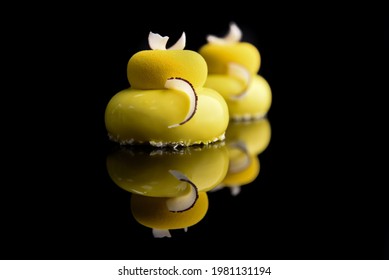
x: 234, y: 35
x: 238, y: 71
x: 184, y: 202
x: 158, y: 42
x: 186, y: 87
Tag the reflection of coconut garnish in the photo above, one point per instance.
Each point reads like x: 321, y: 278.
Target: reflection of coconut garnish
x: 157, y: 42
x: 234, y: 35
x: 186, y: 87
x: 235, y: 190
x: 241, y: 163
x: 159, y: 233
x: 241, y: 73
x: 186, y: 201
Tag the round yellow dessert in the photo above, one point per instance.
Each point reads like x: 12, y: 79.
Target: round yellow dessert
x: 233, y: 72
x: 167, y: 102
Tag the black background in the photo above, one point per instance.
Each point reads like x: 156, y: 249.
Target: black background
x: 320, y: 193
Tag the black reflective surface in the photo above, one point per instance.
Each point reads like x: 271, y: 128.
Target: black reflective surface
x: 315, y: 190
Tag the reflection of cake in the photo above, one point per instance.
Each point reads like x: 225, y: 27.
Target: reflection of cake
x: 178, y: 176
x: 168, y: 186
x: 233, y: 71
x: 166, y: 103
x: 148, y: 171
x: 245, y: 141
x: 255, y: 135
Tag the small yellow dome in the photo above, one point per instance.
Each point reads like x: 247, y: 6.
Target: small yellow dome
x: 150, y: 69
x: 218, y: 56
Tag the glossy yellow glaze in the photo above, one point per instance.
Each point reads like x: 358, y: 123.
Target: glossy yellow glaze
x: 145, y: 116
x: 153, y: 213
x: 148, y: 174
x: 255, y: 104
x: 150, y: 69
x: 218, y: 56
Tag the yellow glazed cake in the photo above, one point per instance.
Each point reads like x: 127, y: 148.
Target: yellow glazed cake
x: 233, y: 68
x: 167, y: 102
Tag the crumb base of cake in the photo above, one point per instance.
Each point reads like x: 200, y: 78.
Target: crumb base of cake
x: 160, y: 143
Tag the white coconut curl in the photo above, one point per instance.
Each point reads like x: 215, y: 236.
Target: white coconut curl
x: 158, y: 42
x: 234, y: 35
